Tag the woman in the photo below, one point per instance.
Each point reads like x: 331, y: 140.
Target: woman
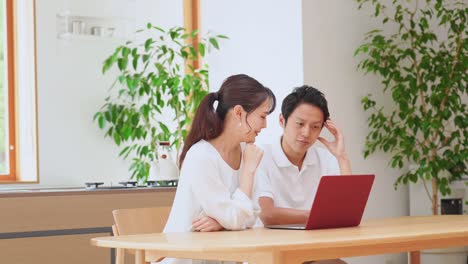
x: 217, y: 168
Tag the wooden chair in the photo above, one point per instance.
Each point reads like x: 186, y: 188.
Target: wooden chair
x: 138, y: 221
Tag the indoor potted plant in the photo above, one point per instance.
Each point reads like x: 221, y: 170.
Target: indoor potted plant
x: 155, y: 94
x: 421, y: 58
x: 422, y: 64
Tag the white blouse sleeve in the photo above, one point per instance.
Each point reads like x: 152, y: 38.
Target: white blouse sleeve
x: 233, y: 211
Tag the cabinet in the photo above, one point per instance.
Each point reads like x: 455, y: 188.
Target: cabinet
x: 56, y: 227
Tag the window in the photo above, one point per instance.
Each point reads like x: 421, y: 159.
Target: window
x: 7, y: 88
x: 18, y: 147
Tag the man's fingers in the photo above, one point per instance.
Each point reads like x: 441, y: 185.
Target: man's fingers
x: 324, y: 141
x: 331, y: 127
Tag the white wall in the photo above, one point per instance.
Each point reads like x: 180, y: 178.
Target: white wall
x: 332, y: 31
x: 265, y: 42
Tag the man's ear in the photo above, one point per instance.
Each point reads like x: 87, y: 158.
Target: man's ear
x: 282, y: 121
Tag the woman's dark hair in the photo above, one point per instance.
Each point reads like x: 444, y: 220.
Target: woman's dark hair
x: 304, y: 94
x: 208, y: 122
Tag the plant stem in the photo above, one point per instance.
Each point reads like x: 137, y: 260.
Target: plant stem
x: 454, y: 63
x: 435, y: 188
x: 179, y: 128
x: 435, y: 197
x: 427, y: 190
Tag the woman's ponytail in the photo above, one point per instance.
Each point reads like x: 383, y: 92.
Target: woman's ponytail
x: 207, y: 124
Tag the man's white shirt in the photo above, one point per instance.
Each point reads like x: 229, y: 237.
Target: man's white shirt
x: 282, y: 181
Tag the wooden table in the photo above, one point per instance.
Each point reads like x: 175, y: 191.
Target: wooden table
x: 260, y: 245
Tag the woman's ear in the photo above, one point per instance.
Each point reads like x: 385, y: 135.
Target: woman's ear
x: 238, y: 111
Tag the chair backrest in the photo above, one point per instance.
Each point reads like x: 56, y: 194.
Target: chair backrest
x: 141, y: 220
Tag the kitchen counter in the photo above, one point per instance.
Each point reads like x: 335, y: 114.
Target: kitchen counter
x: 31, y: 192
x: 34, y: 220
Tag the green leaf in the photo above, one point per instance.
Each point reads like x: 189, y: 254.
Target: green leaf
x: 214, y: 42
x: 135, y: 62
x: 121, y: 79
x: 110, y: 60
x: 122, y: 63
x: 193, y: 52
x: 377, y: 10
x: 124, y: 150
x: 126, y: 132
x: 201, y: 49
x: 164, y: 128
x: 101, y: 121
x: 173, y: 34
x: 117, y: 139
x: 148, y: 44
x: 125, y: 52
x: 159, y: 29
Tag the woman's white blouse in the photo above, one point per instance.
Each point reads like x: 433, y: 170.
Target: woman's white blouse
x: 209, y: 186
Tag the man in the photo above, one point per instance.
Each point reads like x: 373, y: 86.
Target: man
x: 288, y: 176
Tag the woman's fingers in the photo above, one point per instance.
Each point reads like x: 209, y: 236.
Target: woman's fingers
x: 197, y: 224
x: 252, y: 156
x: 206, y: 224
x: 208, y: 229
x: 194, y: 222
x: 203, y: 226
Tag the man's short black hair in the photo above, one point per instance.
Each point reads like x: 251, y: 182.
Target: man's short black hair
x: 304, y: 94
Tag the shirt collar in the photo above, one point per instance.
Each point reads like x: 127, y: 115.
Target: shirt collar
x: 282, y: 161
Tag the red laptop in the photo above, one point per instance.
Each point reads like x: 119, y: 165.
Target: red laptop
x: 339, y: 202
